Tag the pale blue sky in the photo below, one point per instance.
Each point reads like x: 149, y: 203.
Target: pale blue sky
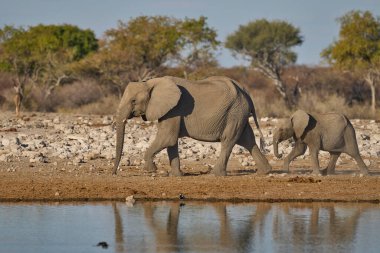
x: 316, y: 19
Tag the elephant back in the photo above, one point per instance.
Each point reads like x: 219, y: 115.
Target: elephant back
x: 332, y: 126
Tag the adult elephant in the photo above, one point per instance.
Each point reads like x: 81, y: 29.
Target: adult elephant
x: 214, y: 109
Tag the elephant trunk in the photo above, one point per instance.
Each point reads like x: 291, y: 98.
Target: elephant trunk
x: 120, y: 132
x: 275, y: 145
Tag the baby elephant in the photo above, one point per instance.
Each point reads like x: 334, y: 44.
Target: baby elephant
x: 331, y: 132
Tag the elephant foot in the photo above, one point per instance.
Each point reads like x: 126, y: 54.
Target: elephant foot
x: 176, y: 173
x: 316, y: 172
x: 327, y: 171
x: 263, y: 172
x: 218, y: 172
x: 150, y: 167
x: 286, y: 169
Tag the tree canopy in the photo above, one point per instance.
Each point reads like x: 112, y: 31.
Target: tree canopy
x: 140, y: 48
x: 358, y: 47
x: 36, y: 51
x: 268, y: 45
x: 36, y: 46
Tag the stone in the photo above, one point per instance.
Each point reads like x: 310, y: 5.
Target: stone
x: 5, y: 142
x: 6, y: 158
x: 107, y: 120
x: 245, y: 163
x: 56, y: 120
x: 130, y: 200
x: 365, y: 137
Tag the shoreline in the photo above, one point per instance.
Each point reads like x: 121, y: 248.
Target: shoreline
x: 46, y: 187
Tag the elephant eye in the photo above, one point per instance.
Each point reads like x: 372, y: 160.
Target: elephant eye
x: 133, y: 102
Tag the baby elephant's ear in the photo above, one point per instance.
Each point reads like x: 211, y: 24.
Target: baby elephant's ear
x: 164, y: 95
x: 300, y: 120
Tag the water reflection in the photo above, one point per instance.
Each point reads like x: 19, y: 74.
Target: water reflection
x: 225, y: 227
x: 191, y: 227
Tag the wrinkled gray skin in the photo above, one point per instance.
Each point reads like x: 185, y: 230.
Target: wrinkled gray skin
x: 331, y: 132
x: 214, y: 109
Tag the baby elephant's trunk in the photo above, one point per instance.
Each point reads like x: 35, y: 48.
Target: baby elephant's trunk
x: 275, y: 146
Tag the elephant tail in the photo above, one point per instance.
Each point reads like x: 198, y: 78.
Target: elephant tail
x: 262, y: 142
x: 253, y: 112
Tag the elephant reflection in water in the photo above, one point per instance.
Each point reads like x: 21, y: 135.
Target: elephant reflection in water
x: 197, y: 235
x: 293, y: 225
x: 169, y: 239
x: 297, y: 225
x: 166, y: 235
x: 119, y: 232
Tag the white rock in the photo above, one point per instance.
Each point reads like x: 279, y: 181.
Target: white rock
x: 107, y: 120
x: 56, y: 120
x: 5, y: 142
x: 130, y: 200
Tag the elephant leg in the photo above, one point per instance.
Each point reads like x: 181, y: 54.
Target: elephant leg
x: 352, y: 149
x: 362, y: 167
x: 299, y: 149
x: 156, y: 147
x: 330, y: 169
x: 220, y: 168
x: 247, y: 140
x: 167, y: 136
x: 315, y: 161
x: 174, y: 160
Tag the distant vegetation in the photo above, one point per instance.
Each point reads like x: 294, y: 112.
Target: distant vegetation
x: 63, y: 68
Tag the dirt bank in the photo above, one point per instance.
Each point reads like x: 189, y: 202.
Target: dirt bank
x: 43, y: 184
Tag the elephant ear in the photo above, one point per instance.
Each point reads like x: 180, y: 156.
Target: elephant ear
x: 164, y: 95
x: 300, y: 120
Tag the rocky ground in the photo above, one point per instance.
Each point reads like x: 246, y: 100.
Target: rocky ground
x: 69, y: 157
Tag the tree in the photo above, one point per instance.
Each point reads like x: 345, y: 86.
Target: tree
x: 267, y: 44
x: 141, y: 48
x: 198, y: 45
x: 41, y: 54
x: 358, y: 48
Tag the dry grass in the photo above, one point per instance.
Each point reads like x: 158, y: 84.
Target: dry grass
x: 333, y: 103
x: 271, y: 105
x: 319, y: 86
x: 6, y: 99
x: 106, y: 105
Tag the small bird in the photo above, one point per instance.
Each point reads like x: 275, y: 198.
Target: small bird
x: 104, y: 245
x: 181, y: 196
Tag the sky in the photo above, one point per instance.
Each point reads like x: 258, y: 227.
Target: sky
x: 315, y: 19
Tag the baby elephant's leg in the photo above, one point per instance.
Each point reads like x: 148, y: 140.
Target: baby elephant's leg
x: 315, y: 162
x: 330, y: 169
x: 299, y: 149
